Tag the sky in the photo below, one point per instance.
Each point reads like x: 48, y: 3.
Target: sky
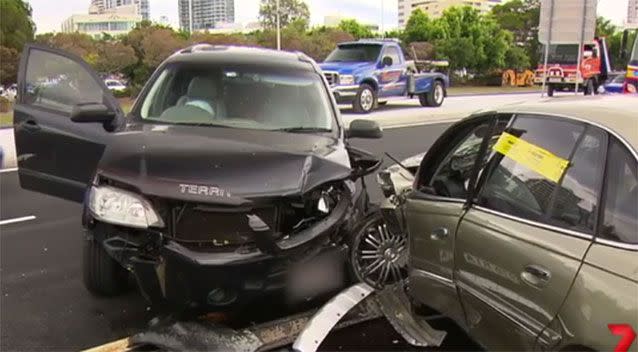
x: 49, y: 14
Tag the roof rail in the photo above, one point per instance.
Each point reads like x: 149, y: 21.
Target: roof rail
x: 396, y: 40
x: 196, y: 47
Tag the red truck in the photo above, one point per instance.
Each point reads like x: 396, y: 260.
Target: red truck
x: 563, y: 73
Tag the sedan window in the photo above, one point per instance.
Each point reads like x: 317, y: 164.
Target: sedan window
x: 517, y: 189
x: 620, y: 219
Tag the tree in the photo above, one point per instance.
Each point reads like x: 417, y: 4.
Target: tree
x: 9, y: 59
x: 289, y: 11
x: 114, y: 57
x: 16, y: 25
x: 521, y: 17
x: 76, y: 43
x: 419, y: 28
x: 604, y: 27
x: 355, y: 29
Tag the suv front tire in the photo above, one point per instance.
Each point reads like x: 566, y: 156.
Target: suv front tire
x: 103, y: 276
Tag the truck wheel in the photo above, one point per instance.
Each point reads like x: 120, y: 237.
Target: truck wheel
x: 550, y: 90
x: 366, y: 99
x: 434, y: 97
x: 589, y: 87
x: 377, y: 256
x: 102, y: 275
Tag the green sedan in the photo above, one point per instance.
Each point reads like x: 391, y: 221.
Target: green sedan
x: 522, y: 225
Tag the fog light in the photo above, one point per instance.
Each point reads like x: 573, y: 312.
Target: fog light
x: 221, y: 297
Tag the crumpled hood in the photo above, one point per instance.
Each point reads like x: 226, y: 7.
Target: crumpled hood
x: 221, y: 165
x: 345, y: 68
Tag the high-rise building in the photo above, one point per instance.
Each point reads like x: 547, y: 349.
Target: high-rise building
x: 143, y: 8
x: 632, y: 13
x: 97, y: 5
x: 206, y: 14
x: 435, y: 8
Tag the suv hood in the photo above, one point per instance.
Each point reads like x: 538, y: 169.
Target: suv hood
x: 221, y: 165
x: 345, y: 68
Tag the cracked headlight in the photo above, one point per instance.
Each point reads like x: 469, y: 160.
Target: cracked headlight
x: 120, y: 207
x: 346, y: 79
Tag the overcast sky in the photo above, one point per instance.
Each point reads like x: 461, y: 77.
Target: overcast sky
x: 49, y: 14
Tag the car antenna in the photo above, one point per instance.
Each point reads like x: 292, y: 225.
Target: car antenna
x: 398, y: 163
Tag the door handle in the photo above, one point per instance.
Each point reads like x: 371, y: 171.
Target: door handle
x: 536, y: 275
x: 30, y: 125
x: 439, y: 233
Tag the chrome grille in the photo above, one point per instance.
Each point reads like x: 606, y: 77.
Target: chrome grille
x: 332, y: 77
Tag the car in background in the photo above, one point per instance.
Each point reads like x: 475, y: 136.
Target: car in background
x: 522, y: 224
x: 115, y: 85
x: 615, y: 83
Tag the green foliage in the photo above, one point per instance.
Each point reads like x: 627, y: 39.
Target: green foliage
x: 16, y: 25
x: 356, y: 29
x: 521, y: 17
x: 9, y: 60
x: 289, y: 12
x: 126, y: 93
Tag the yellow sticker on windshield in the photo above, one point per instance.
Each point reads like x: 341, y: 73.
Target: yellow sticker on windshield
x: 534, y: 157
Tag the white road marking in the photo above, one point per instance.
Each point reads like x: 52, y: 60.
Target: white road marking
x: 15, y: 220
x: 8, y: 170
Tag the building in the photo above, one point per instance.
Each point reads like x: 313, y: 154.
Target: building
x: 206, y: 14
x: 114, y: 21
x: 632, y: 13
x: 435, y: 8
x: 141, y: 5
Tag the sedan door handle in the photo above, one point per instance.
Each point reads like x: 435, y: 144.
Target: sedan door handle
x: 536, y: 275
x: 30, y: 125
x: 439, y: 233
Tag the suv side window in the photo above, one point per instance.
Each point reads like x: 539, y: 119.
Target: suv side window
x: 454, y: 173
x: 58, y: 83
x: 620, y: 215
x: 515, y: 189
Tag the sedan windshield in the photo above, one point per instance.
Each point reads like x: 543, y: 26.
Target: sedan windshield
x: 239, y: 97
x: 355, y: 53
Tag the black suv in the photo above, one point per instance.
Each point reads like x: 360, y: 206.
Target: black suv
x: 231, y: 172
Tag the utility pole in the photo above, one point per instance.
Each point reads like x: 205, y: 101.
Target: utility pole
x: 278, y: 28
x: 190, y: 16
x: 382, y: 20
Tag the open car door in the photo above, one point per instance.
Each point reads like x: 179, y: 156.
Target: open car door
x: 62, y: 119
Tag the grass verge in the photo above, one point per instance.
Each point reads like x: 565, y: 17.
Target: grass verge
x: 452, y: 91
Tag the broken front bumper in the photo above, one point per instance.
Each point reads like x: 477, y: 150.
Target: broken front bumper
x: 175, y: 275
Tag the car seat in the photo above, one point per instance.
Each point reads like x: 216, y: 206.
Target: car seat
x: 204, y: 94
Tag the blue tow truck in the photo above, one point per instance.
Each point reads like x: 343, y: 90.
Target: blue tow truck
x: 368, y: 72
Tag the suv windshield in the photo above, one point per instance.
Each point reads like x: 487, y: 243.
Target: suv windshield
x: 355, y: 53
x: 563, y: 54
x: 238, y: 97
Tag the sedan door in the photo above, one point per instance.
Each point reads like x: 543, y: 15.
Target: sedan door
x: 55, y: 155
x: 521, y: 244
x: 435, y: 208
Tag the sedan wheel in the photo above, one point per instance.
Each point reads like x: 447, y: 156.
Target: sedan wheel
x: 379, y: 257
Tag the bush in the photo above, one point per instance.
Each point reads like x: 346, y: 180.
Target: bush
x: 126, y: 93
x: 5, y: 105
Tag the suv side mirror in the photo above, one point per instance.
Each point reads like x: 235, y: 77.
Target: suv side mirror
x: 387, y: 61
x: 364, y: 129
x: 93, y: 112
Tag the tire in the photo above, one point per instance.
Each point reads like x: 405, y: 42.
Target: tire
x: 589, y: 87
x: 366, y: 100
x: 102, y: 275
x: 550, y: 90
x: 396, y: 267
x: 434, y: 97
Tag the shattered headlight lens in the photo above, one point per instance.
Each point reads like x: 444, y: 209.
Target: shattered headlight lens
x: 120, y: 207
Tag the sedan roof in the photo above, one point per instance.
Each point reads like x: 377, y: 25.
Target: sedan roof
x: 618, y: 114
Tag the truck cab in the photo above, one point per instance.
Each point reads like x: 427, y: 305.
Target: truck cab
x: 367, y: 72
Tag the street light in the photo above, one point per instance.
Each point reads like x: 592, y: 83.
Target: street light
x: 278, y: 28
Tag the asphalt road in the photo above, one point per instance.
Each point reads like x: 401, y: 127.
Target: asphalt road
x: 45, y: 306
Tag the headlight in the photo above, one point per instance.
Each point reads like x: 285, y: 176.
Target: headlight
x: 631, y: 88
x: 119, y: 207
x: 346, y: 79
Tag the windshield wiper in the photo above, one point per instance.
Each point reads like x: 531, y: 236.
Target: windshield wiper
x: 303, y: 129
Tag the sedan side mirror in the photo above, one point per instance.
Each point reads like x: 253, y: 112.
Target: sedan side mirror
x: 387, y: 61
x: 93, y: 112
x: 364, y: 129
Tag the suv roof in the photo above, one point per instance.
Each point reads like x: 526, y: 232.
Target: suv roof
x: 222, y: 54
